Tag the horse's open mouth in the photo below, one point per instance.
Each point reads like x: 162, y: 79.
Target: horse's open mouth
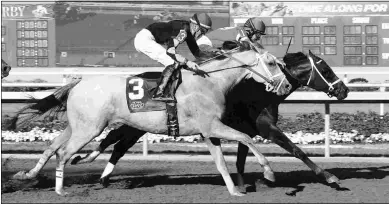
x: 339, y: 93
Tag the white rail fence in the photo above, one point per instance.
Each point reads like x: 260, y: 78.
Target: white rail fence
x: 380, y: 97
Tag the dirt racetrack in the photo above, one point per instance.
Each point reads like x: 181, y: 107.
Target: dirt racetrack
x: 184, y: 182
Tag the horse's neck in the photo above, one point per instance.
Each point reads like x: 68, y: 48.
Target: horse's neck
x: 228, y: 77
x: 293, y: 81
x: 227, y: 73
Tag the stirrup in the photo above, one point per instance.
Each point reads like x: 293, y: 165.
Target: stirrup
x: 163, y: 98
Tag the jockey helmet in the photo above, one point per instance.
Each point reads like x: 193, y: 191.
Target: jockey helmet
x: 255, y: 26
x: 203, y: 21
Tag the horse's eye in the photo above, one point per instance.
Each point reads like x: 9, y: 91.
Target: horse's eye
x: 326, y: 72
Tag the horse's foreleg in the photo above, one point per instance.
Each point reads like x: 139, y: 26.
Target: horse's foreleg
x: 217, y: 154
x: 79, y: 138
x: 243, y: 150
x: 219, y: 130
x: 283, y: 141
x: 119, y: 150
x: 47, y: 154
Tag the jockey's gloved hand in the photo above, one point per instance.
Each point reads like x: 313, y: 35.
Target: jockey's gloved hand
x: 216, y: 51
x: 195, y: 68
x: 201, y: 72
x: 245, y: 44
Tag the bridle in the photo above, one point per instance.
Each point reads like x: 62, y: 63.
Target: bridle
x: 269, y: 85
x: 314, y: 68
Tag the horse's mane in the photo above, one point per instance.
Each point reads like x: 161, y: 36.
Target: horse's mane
x: 293, y: 59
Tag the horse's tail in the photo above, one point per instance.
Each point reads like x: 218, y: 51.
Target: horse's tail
x: 54, y: 105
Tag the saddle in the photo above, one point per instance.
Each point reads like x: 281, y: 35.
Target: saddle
x: 140, y: 89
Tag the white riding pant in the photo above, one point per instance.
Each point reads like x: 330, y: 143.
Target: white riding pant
x: 145, y: 43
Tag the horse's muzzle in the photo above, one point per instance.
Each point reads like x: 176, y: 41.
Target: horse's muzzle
x: 340, y: 91
x: 5, y: 71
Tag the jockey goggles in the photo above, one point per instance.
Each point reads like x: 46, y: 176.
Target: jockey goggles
x: 203, y: 30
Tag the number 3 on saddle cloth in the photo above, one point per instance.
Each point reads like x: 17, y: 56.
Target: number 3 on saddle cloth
x: 140, y: 89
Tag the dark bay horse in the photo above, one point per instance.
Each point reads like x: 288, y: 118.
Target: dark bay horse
x: 5, y: 69
x: 248, y: 112
x: 94, y: 103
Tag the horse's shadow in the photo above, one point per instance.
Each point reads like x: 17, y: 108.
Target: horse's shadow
x: 146, y: 178
x: 292, y: 179
x: 46, y: 180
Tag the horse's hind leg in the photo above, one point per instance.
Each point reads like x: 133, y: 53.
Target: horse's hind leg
x: 80, y: 137
x: 47, y: 154
x: 112, y: 137
x: 240, y: 164
x: 119, y: 150
x: 217, y: 154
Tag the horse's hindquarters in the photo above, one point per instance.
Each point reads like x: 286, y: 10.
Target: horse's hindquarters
x: 95, y: 100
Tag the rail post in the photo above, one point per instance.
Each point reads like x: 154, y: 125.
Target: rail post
x: 145, y: 144
x: 327, y: 130
x: 382, y: 89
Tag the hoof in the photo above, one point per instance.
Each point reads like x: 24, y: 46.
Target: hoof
x: 76, y: 160
x: 104, y: 181
x: 62, y: 193
x: 269, y: 175
x: 237, y: 193
x: 240, y: 184
x: 333, y: 179
x: 242, y: 189
x: 21, y: 175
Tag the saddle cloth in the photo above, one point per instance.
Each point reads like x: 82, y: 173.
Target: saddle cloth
x: 140, y: 89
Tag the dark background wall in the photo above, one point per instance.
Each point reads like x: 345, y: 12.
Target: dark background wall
x: 86, y: 31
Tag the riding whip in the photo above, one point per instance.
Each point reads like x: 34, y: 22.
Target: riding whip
x: 290, y: 41
x: 219, y: 55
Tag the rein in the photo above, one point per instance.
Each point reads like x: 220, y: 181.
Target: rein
x: 243, y: 66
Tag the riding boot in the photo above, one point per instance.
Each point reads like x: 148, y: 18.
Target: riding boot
x: 160, y: 94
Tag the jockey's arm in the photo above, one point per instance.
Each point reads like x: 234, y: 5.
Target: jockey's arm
x: 173, y: 44
x: 206, y: 45
x: 194, y: 48
x: 205, y: 48
x: 257, y: 44
x: 182, y: 36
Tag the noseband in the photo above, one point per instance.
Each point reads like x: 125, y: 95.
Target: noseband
x: 314, y: 68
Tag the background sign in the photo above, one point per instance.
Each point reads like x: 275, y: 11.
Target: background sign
x: 26, y: 11
x: 308, y: 9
